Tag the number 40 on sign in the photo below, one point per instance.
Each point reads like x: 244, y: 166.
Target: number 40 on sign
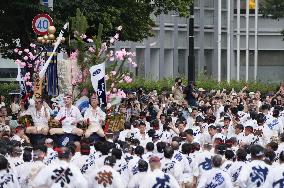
x: 40, y: 24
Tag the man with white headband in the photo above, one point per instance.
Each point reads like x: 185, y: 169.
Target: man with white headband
x: 94, y: 117
x: 69, y: 116
x: 40, y: 115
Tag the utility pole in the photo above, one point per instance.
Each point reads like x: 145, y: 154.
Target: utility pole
x: 191, y: 60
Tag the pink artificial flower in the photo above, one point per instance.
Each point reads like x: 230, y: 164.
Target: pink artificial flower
x: 121, y: 94
x: 129, y: 60
x: 30, y: 65
x: 74, y: 82
x: 29, y: 84
x: 28, y: 73
x: 111, y: 40
x: 111, y: 53
x: 91, y: 49
x: 134, y: 64
x: 22, y: 65
x: 106, y: 77
x: 113, y: 72
x: 26, y: 50
x: 32, y: 45
x: 73, y: 56
x: 18, y: 62
x: 119, y: 28
x: 26, y: 58
x: 111, y: 58
x: 127, y: 79
x: 119, y: 55
x: 20, y: 52
x: 16, y: 50
x: 90, y: 40
x: 116, y: 36
x: 112, y: 85
x: 83, y: 36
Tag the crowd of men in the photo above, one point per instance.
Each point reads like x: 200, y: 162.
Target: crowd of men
x: 187, y: 137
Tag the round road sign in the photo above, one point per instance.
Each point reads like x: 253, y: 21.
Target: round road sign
x: 40, y: 24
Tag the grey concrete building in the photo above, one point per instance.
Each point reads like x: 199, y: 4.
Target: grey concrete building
x: 166, y: 54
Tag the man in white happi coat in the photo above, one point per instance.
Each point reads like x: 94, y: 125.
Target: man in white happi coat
x: 121, y: 165
x: 69, y: 116
x: 275, y: 178
x: 238, y: 168
x: 7, y: 179
x: 94, y: 117
x: 142, y: 136
x: 51, y: 155
x: 106, y: 176
x: 61, y: 174
x: 170, y: 165
x: 257, y: 170
x: 40, y: 115
x: 83, y: 156
x: 136, y: 179
x: 202, y: 162
x: 215, y: 177
x: 157, y: 178
x: 133, y: 163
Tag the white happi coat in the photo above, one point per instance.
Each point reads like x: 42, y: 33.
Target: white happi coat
x: 74, y: 115
x: 133, y: 166
x: 235, y: 171
x: 61, y: 174
x: 227, y: 165
x: 80, y: 160
x: 202, y: 163
x: 255, y: 175
x: 8, y: 180
x: 158, y: 178
x: 171, y: 167
x: 216, y: 178
x: 104, y: 177
x: 40, y: 118
x: 275, y: 178
x: 187, y: 166
x: 96, y: 117
x: 51, y: 157
x: 36, y: 167
x: 136, y: 180
x: 23, y: 171
x: 122, y: 168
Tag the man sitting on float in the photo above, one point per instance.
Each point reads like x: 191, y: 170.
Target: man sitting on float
x: 68, y: 116
x: 40, y: 115
x: 94, y: 117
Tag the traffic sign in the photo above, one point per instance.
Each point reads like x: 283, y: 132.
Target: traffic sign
x: 40, y: 24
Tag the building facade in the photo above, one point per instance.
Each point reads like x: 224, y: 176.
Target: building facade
x: 166, y: 54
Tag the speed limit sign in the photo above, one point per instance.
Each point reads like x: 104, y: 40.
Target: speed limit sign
x: 40, y: 23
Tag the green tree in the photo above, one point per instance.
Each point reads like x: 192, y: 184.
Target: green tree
x: 134, y: 15
x: 272, y: 9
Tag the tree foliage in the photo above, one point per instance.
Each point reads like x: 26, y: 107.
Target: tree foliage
x: 273, y: 9
x: 136, y: 17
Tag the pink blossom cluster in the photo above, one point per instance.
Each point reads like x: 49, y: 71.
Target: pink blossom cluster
x: 117, y: 94
x: 74, y: 55
x: 25, y: 59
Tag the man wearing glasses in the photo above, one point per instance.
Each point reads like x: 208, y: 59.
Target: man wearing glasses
x: 68, y: 116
